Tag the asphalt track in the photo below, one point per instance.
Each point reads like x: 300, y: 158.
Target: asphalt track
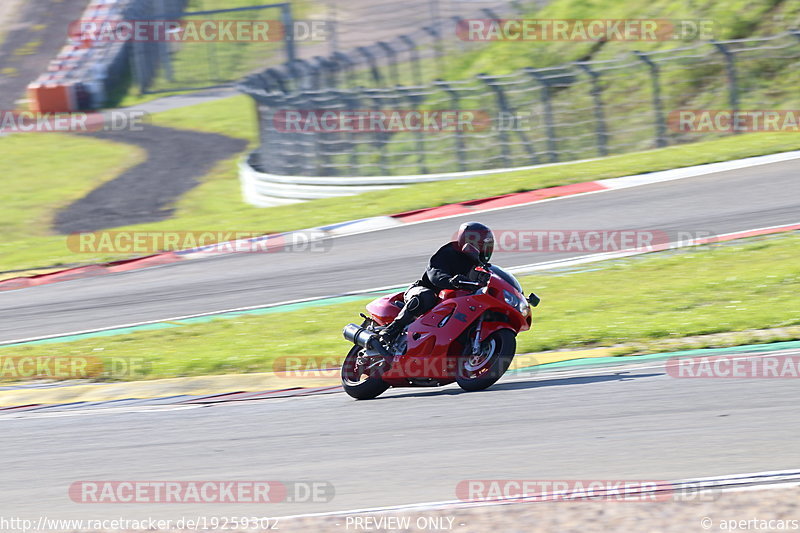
x: 631, y: 422
x: 724, y: 202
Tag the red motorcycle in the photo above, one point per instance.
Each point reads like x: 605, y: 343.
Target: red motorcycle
x: 468, y: 338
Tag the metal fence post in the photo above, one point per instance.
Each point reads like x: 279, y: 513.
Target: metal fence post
x: 433, y: 6
x: 502, y: 103
x: 322, y: 139
x: 547, y: 105
x: 344, y: 65
x: 434, y: 32
x: 379, y: 137
x: 333, y: 27
x: 658, y: 112
x: 279, y: 79
x: 391, y: 57
x: 288, y: 31
x: 164, y: 52
x: 376, y: 74
x: 459, y: 137
x: 419, y: 136
x: 413, y: 57
x: 599, y: 115
x: 325, y: 72
x: 138, y: 64
x: 503, y: 107
x: 730, y: 67
x: 271, y: 151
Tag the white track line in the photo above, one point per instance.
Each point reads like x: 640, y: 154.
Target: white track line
x: 726, y: 483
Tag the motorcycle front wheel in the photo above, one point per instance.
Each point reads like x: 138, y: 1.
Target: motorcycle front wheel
x: 482, y: 370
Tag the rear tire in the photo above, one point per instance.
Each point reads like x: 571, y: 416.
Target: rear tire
x: 479, y: 372
x: 357, y: 384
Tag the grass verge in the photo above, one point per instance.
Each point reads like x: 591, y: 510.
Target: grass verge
x: 42, y: 173
x: 646, y: 301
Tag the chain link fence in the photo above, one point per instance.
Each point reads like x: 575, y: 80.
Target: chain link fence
x: 573, y: 111
x: 173, y: 65
x: 385, y: 44
x: 361, y: 38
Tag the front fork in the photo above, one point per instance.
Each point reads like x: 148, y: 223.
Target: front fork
x: 476, y: 342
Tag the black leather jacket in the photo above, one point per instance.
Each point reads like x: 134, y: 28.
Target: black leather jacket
x: 447, y: 262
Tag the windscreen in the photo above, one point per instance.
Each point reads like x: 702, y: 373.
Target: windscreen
x: 506, y: 276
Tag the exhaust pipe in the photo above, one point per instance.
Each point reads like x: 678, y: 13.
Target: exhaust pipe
x: 366, y: 339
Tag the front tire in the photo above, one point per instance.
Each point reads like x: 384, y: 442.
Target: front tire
x: 358, y: 382
x: 481, y: 371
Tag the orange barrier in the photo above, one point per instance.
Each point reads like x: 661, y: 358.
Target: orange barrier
x: 52, y: 96
x: 77, y: 77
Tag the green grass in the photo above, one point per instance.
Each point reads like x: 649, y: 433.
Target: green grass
x: 668, y: 295
x: 217, y: 203
x: 42, y: 173
x: 732, y: 19
x: 46, y: 172
x: 234, y: 116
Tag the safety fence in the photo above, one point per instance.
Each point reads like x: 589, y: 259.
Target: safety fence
x: 86, y: 71
x: 226, y: 48
x: 572, y: 111
x: 370, y: 36
x: 384, y: 43
x: 106, y: 53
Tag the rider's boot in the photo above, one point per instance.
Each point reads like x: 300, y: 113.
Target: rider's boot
x: 393, y: 329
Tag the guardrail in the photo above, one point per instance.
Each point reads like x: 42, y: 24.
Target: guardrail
x: 268, y: 190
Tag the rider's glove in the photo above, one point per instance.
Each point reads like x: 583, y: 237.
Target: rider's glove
x: 482, y: 277
x: 459, y: 280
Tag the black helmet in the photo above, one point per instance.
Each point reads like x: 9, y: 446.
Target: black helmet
x: 478, y: 235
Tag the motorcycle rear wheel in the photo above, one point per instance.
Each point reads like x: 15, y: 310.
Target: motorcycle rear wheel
x: 356, y: 383
x: 481, y: 371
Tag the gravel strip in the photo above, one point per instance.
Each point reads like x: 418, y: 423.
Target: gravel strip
x: 176, y: 161
x: 757, y: 507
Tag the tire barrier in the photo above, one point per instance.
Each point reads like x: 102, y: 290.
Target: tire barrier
x: 87, y: 71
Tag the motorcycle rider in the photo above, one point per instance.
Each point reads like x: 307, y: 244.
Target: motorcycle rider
x: 448, y: 268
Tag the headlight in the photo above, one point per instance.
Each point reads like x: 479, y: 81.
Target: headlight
x: 515, y: 301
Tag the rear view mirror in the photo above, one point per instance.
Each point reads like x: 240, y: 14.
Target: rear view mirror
x: 533, y: 300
